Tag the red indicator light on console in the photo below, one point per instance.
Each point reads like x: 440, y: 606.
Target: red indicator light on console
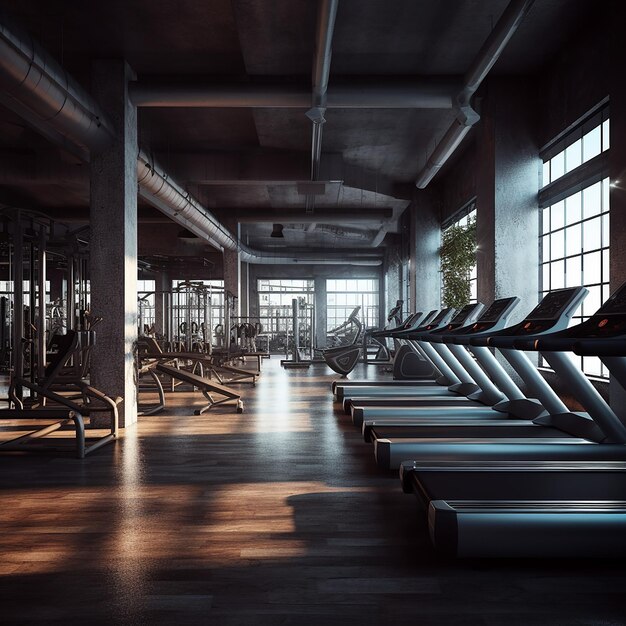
x: 603, y: 323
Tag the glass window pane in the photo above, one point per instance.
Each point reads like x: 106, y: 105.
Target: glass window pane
x: 593, y: 301
x: 545, y: 248
x: 605, y: 266
x: 545, y: 220
x: 606, y: 190
x: 557, y: 166
x: 557, y: 275
x: 573, y: 156
x: 592, y: 268
x: 572, y: 240
x: 592, y: 366
x: 572, y: 208
x: 545, y: 285
x: 557, y: 245
x: 605, y: 231
x: 573, y: 272
x: 592, y: 234
x: 557, y: 216
x: 605, y: 136
x: 592, y: 200
x: 592, y: 144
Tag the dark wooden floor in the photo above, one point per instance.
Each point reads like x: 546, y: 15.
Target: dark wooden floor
x: 274, y: 516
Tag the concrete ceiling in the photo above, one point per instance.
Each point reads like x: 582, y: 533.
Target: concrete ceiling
x: 253, y: 161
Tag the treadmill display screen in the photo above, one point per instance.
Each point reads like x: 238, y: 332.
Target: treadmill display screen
x: 495, y: 311
x: 463, y: 314
x: 441, y: 315
x: 553, y: 304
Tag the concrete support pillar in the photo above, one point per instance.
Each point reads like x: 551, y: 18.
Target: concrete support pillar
x: 113, y: 247
x: 321, y: 312
x: 507, y: 182
x: 232, y: 276
x: 617, y: 173
x: 393, y: 275
x: 244, y: 290
x: 163, y: 283
x: 425, y: 244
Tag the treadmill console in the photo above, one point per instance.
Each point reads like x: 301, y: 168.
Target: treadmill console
x: 410, y: 321
x: 463, y: 314
x: 438, y: 319
x: 608, y: 321
x: 553, y: 305
x: 463, y: 317
x: 492, y: 315
x: 553, y: 311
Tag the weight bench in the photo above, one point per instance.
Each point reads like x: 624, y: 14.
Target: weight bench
x: 150, y: 349
x: 205, y: 386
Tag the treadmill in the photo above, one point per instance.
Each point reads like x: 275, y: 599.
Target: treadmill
x: 565, y: 428
x: 485, y: 393
x: 560, y: 507
x: 438, y: 361
x: 433, y: 319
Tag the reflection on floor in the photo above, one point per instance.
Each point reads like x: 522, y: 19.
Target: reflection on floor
x: 274, y: 516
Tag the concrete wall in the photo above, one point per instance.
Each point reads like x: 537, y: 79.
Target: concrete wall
x: 579, y: 77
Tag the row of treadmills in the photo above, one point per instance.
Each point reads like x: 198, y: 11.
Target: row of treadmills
x: 501, y: 472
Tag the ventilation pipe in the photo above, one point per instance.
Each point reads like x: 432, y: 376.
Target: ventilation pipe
x: 38, y: 89
x: 321, y: 71
x: 466, y: 117
x: 167, y: 196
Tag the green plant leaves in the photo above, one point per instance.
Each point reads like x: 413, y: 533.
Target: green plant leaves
x: 458, y: 257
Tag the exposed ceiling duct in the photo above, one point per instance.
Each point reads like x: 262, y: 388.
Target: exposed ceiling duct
x: 167, y: 196
x: 466, y: 117
x: 357, y: 93
x: 36, y: 88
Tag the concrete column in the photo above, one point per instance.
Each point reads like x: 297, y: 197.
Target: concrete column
x: 244, y: 290
x: 231, y: 275
x: 425, y: 244
x: 321, y: 312
x: 617, y: 173
x: 163, y: 282
x: 507, y: 182
x: 113, y: 247
x: 393, y: 276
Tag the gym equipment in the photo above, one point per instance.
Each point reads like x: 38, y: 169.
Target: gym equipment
x: 205, y: 386
x: 301, y: 336
x: 372, y: 336
x: 560, y: 506
x: 67, y: 370
x: 346, y: 389
x: 342, y: 359
x: 552, y: 313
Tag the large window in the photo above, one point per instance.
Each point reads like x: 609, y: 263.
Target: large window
x: 343, y: 295
x: 574, y: 229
